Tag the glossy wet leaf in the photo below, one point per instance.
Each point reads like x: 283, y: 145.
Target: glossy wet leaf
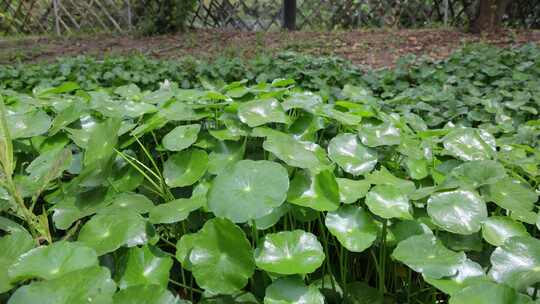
x: 52, y: 261
x: 459, y: 211
x: 426, y: 254
x: 106, y: 232
x: 487, y: 293
x: 497, y: 229
x: 248, y: 190
x: 385, y: 177
x: 353, y: 227
x: 385, y: 134
x: 352, y: 190
x: 88, y: 285
x: 99, y: 153
x: 224, y: 154
x: 259, y: 112
x: 304, y: 100
x: 517, y: 262
x: 129, y: 200
x: 185, y: 168
x: 417, y: 168
x: 353, y: 157
x: 388, y: 202
x: 469, y: 144
x: 181, y: 137
x: 289, y: 252
x: 28, y: 124
x: 74, y: 207
x: 220, y: 257
x: 13, y: 246
x: 317, y: 191
x: 511, y: 194
x: 145, y: 266
x: 271, y: 219
x: 478, y: 173
x: 175, y: 211
x: 292, y: 291
x: 402, y: 230
x: 296, y: 153
x: 468, y: 273
x: 143, y: 294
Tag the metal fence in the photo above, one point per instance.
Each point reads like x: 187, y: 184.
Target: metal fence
x: 69, y: 16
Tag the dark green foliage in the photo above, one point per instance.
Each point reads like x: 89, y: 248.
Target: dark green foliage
x: 417, y: 184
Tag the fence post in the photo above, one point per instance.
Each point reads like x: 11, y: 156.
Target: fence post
x: 56, y: 17
x: 445, y: 12
x: 289, y: 15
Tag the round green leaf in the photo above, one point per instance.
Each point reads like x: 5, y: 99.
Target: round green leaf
x: 353, y: 227
x: 426, y: 254
x: 468, y: 273
x: 145, y: 265
x: 28, y: 124
x: 469, y: 144
x: 289, y: 252
x: 511, y: 194
x: 292, y: 291
x: 487, y: 293
x: 318, y: 191
x: 183, y: 249
x: 52, y: 261
x: 185, y: 168
x: 144, y: 294
x: 384, y: 177
x: 259, y: 112
x: 106, y: 232
x: 353, y: 157
x: 271, y: 219
x: 221, y: 257
x: 402, y: 230
x: 175, y: 211
x: 417, y: 168
x: 295, y: 153
x: 87, y: 285
x: 127, y: 200
x: 478, y: 173
x: 224, y: 154
x: 497, y: 229
x: 181, y: 137
x: 385, y: 134
x: 388, y: 202
x: 517, y: 262
x: 459, y: 211
x: 351, y: 191
x: 13, y: 245
x: 248, y: 190
x: 70, y: 208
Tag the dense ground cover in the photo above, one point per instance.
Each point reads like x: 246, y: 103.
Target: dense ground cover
x: 277, y: 180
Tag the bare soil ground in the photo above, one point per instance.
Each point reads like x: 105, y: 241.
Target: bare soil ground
x: 375, y: 48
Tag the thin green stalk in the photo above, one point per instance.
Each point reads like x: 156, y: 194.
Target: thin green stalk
x: 382, y: 259
x: 327, y: 252
x: 343, y: 267
x: 409, y: 280
x: 193, y: 289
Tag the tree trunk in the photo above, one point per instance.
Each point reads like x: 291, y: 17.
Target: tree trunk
x: 489, y: 16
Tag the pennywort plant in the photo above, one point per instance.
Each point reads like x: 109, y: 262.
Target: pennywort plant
x: 419, y: 187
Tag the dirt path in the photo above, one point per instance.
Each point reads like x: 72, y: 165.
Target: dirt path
x: 375, y: 48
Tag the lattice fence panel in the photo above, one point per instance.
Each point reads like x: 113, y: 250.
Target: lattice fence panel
x: 68, y: 16
x: 249, y: 15
x: 64, y: 16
